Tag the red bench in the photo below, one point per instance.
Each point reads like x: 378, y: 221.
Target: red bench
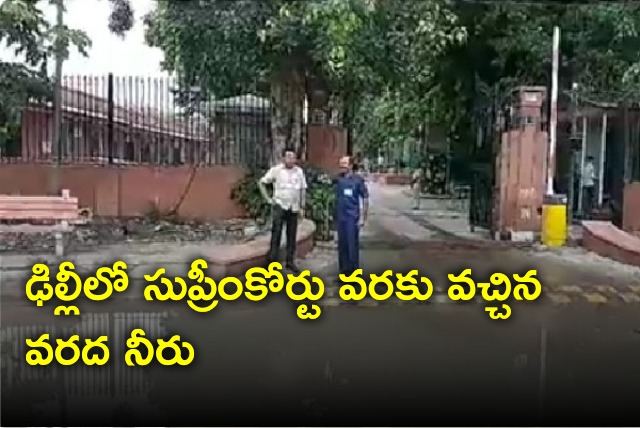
x: 40, y: 209
x: 39, y: 214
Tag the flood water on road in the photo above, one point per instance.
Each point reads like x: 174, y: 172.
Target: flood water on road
x: 255, y: 362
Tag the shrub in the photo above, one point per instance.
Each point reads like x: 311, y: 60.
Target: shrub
x: 320, y: 199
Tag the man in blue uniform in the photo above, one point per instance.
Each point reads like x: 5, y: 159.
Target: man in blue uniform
x: 350, y: 216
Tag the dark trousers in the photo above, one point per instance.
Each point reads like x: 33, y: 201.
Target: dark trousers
x: 280, y: 218
x: 588, y: 199
x: 348, y: 245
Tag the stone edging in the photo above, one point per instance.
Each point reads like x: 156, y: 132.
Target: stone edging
x: 235, y: 259
x: 605, y: 239
x: 390, y: 179
x: 224, y: 260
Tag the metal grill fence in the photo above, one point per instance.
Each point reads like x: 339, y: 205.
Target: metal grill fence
x: 141, y: 120
x: 79, y: 380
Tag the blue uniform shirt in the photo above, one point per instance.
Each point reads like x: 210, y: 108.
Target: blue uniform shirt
x: 350, y: 189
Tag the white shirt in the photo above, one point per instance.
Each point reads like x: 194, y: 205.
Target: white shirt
x: 588, y: 175
x: 288, y: 184
x: 416, y: 178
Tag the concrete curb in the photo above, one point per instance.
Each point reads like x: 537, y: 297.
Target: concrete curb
x: 430, y: 196
x: 607, y: 240
x: 224, y: 260
x: 556, y: 296
x: 370, y: 303
x: 235, y: 259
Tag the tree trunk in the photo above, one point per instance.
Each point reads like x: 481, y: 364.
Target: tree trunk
x: 287, y: 100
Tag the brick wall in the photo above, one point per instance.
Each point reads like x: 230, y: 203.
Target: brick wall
x: 631, y: 208
x: 132, y: 191
x: 325, y: 145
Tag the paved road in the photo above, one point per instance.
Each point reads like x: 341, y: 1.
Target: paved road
x: 554, y: 361
x: 369, y: 366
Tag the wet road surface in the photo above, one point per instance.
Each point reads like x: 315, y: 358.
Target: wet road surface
x: 361, y: 365
x: 555, y: 361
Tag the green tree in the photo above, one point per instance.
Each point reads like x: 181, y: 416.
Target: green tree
x: 271, y: 48
x: 509, y: 44
x: 24, y: 29
x: 402, y: 47
x: 279, y: 46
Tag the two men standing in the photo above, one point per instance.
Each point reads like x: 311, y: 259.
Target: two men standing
x: 288, y: 202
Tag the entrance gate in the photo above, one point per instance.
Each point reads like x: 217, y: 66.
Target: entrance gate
x: 509, y: 182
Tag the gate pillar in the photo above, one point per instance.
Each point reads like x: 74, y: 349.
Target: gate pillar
x: 521, y: 168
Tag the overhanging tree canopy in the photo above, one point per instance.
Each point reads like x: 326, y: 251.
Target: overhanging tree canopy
x: 352, y: 45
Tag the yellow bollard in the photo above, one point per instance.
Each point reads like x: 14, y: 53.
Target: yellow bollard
x: 554, y: 220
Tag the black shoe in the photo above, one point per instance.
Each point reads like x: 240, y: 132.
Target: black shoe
x: 269, y: 261
x: 293, y: 268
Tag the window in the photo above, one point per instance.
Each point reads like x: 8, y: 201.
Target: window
x: 319, y: 117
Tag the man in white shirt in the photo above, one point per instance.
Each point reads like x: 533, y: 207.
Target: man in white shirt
x: 288, y: 202
x: 588, y: 186
x: 416, y: 187
x: 365, y: 165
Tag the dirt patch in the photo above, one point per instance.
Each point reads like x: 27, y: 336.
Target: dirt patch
x: 102, y: 232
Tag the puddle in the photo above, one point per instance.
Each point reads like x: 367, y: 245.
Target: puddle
x: 48, y: 393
